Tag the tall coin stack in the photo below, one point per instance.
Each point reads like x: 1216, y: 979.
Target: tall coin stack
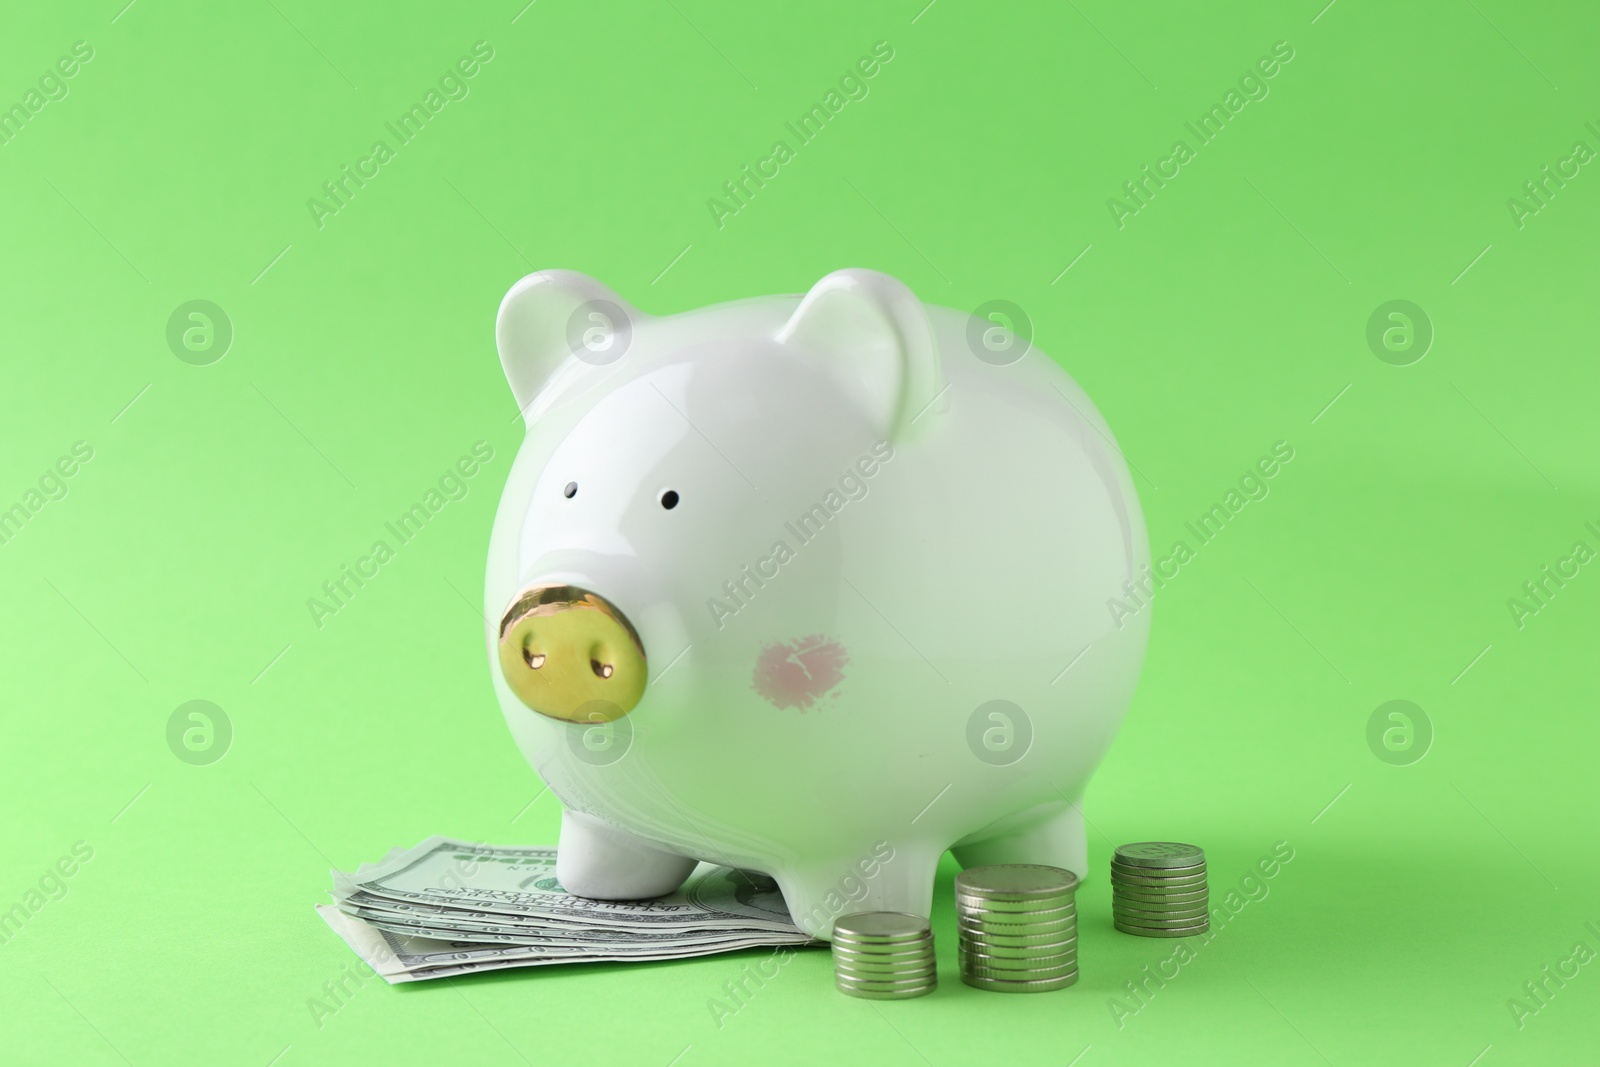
x: 883, y: 955
x: 1018, y: 927
x: 1158, y: 889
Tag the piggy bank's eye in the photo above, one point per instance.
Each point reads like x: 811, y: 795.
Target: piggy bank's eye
x: 570, y: 491
x: 669, y: 499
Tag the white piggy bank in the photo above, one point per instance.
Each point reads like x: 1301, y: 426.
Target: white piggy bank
x: 814, y: 586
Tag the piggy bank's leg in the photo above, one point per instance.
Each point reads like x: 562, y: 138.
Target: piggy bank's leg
x: 1056, y: 839
x: 595, y: 859
x: 878, y: 877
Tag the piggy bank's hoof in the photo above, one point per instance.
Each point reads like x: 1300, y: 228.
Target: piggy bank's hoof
x: 596, y: 860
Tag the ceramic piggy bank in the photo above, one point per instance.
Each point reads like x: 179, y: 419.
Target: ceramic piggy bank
x: 816, y: 586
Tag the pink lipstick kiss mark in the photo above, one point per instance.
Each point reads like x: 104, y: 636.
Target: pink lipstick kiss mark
x: 794, y: 676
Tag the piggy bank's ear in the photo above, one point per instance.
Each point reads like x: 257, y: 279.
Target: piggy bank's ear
x: 874, y: 336
x: 556, y: 328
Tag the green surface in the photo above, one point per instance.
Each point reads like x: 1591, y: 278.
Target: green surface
x: 1225, y: 315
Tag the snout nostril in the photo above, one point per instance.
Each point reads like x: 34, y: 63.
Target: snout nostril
x: 602, y: 670
x: 533, y: 659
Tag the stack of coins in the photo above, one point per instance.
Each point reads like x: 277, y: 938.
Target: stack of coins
x: 1158, y: 889
x: 883, y: 955
x: 1018, y: 927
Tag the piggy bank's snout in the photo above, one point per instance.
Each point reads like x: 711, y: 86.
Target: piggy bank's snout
x: 571, y: 654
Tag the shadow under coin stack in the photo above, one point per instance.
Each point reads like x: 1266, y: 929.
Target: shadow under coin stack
x: 1018, y: 927
x: 1158, y: 889
x: 883, y: 955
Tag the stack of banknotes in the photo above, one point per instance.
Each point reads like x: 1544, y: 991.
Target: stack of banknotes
x: 448, y: 907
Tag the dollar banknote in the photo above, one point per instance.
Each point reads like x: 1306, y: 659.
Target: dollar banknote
x: 449, y: 907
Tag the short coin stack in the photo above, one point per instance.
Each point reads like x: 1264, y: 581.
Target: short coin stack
x: 1018, y: 927
x: 1158, y: 889
x: 883, y: 955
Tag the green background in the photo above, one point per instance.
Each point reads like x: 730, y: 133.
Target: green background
x: 1225, y: 316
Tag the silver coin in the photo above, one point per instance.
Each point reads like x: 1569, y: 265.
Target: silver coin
x: 997, y: 955
x: 1125, y: 892
x: 899, y: 959
x: 895, y: 981
x: 1163, y: 892
x: 1018, y: 930
x: 1160, y: 896
x: 1146, y: 931
x: 1145, y: 904
x: 898, y: 955
x: 1160, y: 854
x: 1173, y: 862
x: 898, y: 945
x: 1015, y: 918
x: 892, y: 975
x: 874, y: 982
x: 1119, y: 865
x: 969, y: 947
x: 1038, y: 903
x: 1192, y: 881
x: 1159, y: 920
x: 889, y: 963
x: 1005, y: 909
x: 970, y: 961
x: 1159, y: 872
x: 1018, y: 919
x: 986, y: 926
x: 1158, y: 903
x: 887, y: 994
x: 1188, y: 915
x: 1158, y: 881
x: 1054, y: 969
x: 865, y: 966
x: 1044, y: 967
x: 882, y: 946
x: 1003, y: 947
x: 1015, y: 881
x: 1130, y: 908
x: 884, y: 959
x: 1003, y: 985
x: 882, y: 985
x: 1023, y: 976
x: 994, y: 941
x: 1160, y: 924
x: 1013, y: 903
x: 989, y: 926
x: 1157, y: 911
x: 1013, y: 955
x: 1007, y: 925
x: 878, y: 981
x: 880, y: 926
x: 1017, y: 952
x: 1056, y: 929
